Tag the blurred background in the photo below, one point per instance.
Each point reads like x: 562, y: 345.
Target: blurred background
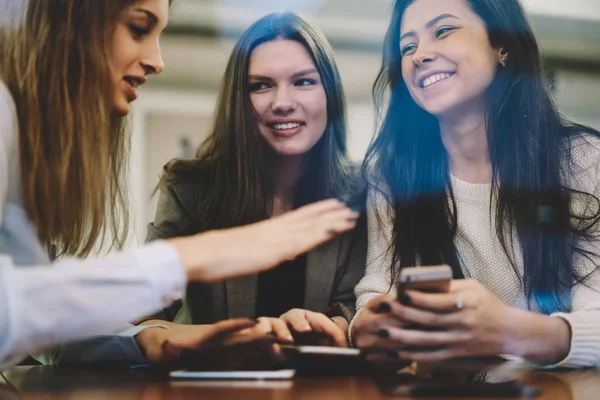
x: 173, y: 113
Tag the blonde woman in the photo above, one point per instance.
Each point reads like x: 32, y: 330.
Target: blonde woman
x: 69, y: 71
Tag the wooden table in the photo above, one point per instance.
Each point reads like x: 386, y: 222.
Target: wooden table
x: 47, y: 382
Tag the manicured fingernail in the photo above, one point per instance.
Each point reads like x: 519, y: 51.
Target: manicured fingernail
x: 385, y: 307
x: 392, y: 354
x: 343, y: 199
x: 383, y: 333
x: 404, y: 299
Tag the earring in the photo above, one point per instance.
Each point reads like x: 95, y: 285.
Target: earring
x: 503, y: 60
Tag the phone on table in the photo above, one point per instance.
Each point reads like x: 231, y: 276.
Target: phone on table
x: 434, y: 279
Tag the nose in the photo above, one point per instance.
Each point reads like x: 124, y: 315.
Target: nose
x: 283, y: 101
x: 423, y: 56
x: 152, y: 61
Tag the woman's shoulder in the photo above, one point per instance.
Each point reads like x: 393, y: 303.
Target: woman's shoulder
x: 182, y: 183
x: 582, y: 167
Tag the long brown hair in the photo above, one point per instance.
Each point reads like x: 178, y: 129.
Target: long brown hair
x: 73, y: 149
x: 233, y: 161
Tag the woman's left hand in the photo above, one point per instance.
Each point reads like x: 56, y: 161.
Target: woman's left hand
x: 467, y: 321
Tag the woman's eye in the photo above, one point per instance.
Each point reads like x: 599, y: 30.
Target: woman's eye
x: 305, y: 82
x: 408, y: 49
x: 258, y: 86
x: 138, y: 31
x: 442, y: 30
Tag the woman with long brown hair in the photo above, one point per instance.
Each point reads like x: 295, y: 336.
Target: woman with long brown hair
x: 278, y: 142
x: 69, y: 71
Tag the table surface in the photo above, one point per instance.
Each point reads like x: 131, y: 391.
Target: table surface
x: 46, y: 382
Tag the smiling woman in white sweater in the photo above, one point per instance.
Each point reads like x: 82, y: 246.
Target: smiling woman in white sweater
x: 68, y: 73
x: 474, y: 167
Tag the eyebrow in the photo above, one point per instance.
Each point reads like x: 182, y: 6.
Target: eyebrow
x: 429, y: 24
x: 294, y: 75
x: 153, y: 18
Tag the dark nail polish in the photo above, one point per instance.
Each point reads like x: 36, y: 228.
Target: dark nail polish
x: 344, y: 199
x: 383, y: 333
x: 356, y: 208
x: 385, y: 307
x: 392, y: 354
x: 404, y: 299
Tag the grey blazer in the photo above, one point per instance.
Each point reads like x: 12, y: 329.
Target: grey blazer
x: 332, y: 270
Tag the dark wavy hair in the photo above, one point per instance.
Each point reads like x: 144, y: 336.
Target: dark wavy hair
x: 529, y: 142
x: 234, y: 161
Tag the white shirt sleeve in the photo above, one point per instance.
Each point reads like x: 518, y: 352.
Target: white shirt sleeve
x: 40, y: 306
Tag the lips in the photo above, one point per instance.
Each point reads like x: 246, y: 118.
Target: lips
x: 286, y: 128
x: 431, y: 79
x: 132, y: 83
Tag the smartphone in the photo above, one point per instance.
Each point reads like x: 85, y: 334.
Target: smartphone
x: 320, y: 361
x: 189, y: 374
x: 434, y: 279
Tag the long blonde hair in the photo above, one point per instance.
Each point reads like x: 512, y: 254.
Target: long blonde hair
x: 73, y: 149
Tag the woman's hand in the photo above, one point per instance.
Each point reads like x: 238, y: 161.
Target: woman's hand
x: 222, y: 342
x: 320, y: 328
x: 467, y: 321
x: 223, y: 254
x: 297, y: 323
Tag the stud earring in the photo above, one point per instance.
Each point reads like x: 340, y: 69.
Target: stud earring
x: 503, y: 60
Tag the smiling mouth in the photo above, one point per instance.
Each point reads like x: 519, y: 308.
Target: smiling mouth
x: 433, y: 79
x: 287, y: 126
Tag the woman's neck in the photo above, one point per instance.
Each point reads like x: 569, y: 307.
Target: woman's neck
x: 465, y: 141
x: 285, y: 181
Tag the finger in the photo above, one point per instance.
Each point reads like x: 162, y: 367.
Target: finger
x: 322, y: 324
x: 192, y: 340
x: 297, y: 320
x: 263, y: 327
x: 314, y: 209
x: 382, y: 304
x: 282, y: 333
x: 319, y: 232
x: 408, y: 338
x: 397, y: 338
x: 430, y: 356
x: 237, y: 339
x: 438, y: 302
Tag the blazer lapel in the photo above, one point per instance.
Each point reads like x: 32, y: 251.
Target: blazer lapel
x: 321, y: 266
x: 241, y: 297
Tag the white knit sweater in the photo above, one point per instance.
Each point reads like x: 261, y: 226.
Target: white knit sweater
x: 483, y: 258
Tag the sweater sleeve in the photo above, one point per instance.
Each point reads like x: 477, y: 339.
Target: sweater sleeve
x: 377, y: 279
x: 584, y: 318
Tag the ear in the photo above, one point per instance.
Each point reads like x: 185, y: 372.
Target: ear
x: 501, y: 56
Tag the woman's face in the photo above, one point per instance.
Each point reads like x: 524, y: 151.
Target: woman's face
x: 288, y: 97
x: 447, y: 59
x: 135, y: 49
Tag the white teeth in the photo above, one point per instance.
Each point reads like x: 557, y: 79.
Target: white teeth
x: 132, y: 82
x: 281, y: 127
x: 434, y: 79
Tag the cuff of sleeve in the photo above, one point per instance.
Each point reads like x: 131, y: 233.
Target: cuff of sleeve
x: 162, y: 266
x: 585, y: 341
x: 350, y: 341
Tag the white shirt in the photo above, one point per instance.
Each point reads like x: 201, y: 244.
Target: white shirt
x: 482, y: 256
x: 44, y: 304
